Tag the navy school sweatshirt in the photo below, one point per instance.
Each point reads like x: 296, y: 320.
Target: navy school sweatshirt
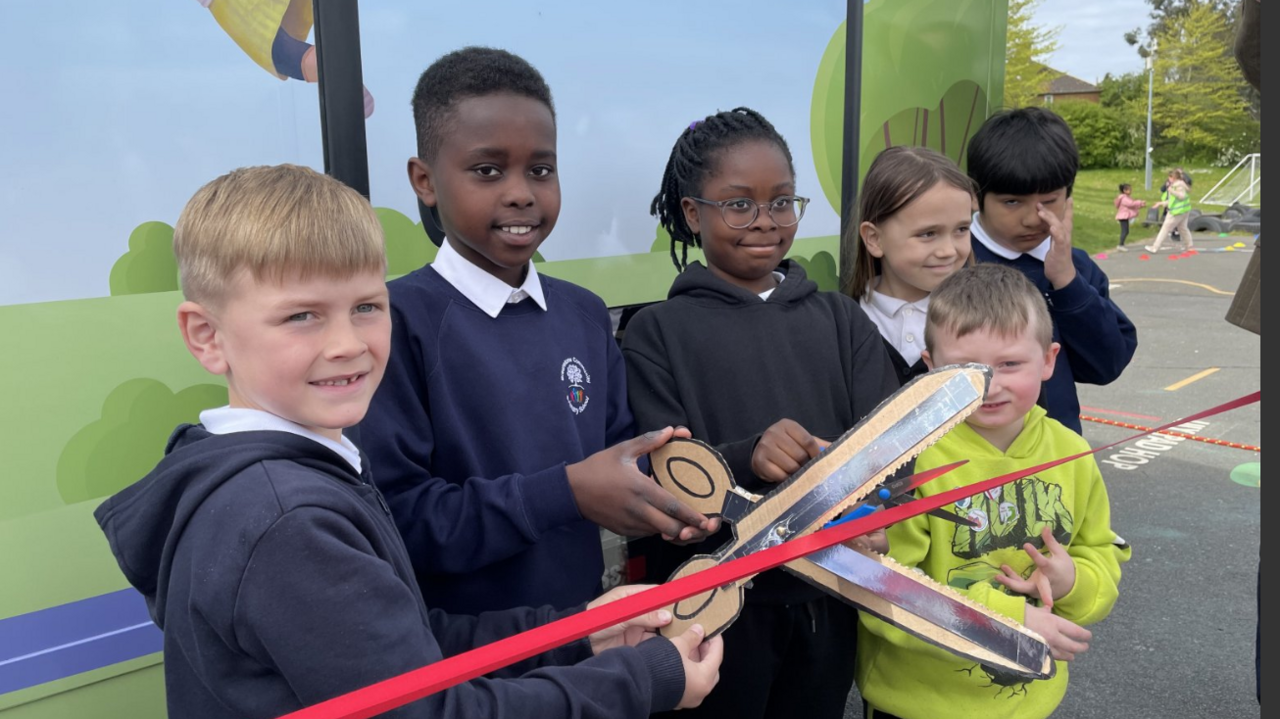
x: 1097, y: 339
x: 719, y: 360
x: 470, y: 433
x: 279, y: 581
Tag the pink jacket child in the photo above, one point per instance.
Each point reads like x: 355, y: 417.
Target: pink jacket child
x: 1126, y: 209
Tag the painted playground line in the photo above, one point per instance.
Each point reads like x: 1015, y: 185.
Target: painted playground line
x: 1120, y: 281
x: 1193, y: 378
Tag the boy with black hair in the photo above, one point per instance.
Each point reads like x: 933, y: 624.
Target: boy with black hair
x: 1042, y: 551
x: 1024, y: 163
x: 264, y: 552
x: 502, y: 436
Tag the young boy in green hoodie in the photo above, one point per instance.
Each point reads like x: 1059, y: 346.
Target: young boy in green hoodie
x: 1042, y: 552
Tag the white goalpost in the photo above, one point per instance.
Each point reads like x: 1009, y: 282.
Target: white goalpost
x: 1243, y: 184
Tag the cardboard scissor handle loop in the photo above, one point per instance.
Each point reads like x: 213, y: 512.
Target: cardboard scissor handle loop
x: 693, y: 473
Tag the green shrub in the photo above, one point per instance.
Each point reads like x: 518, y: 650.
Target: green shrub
x: 1099, y: 131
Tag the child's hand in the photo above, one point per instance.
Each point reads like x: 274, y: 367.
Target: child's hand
x: 634, y: 630
x: 614, y: 494
x: 782, y: 449
x: 1054, y: 576
x: 1065, y: 638
x: 1058, y: 266
x: 877, y: 541
x: 701, y: 665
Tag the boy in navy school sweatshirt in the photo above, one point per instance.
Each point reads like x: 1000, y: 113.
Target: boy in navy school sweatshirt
x: 501, y: 436
x: 264, y: 552
x: 1025, y: 163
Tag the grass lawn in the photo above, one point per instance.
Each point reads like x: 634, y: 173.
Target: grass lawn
x: 1095, y: 193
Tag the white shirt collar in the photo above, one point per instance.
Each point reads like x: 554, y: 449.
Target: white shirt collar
x: 777, y: 276
x: 225, y: 420
x: 1039, y: 252
x: 891, y: 306
x: 900, y: 322
x: 487, y: 292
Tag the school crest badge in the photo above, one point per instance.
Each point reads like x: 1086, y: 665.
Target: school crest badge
x: 574, y: 374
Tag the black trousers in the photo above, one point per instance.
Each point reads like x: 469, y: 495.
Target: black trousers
x: 1124, y: 231
x: 784, y: 661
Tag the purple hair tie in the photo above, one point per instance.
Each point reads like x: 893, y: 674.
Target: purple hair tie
x: 694, y: 124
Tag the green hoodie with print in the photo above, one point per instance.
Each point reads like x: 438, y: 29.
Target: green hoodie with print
x: 902, y: 675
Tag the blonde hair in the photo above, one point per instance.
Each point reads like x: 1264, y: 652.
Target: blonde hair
x: 275, y: 222
x: 987, y: 297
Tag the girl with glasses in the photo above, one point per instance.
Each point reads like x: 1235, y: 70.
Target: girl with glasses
x: 754, y: 360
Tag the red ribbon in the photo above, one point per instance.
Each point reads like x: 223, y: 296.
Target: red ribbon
x: 410, y: 686
x: 1184, y: 435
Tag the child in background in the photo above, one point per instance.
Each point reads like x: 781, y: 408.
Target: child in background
x: 1126, y: 209
x: 1177, y: 201
x: 913, y: 233
x: 1043, y: 552
x: 754, y: 360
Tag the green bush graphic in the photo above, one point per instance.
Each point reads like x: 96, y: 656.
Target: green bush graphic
x: 408, y: 246
x: 148, y: 265
x: 128, y: 440
x: 821, y: 268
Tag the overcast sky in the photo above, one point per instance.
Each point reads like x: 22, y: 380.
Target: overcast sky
x: 1091, y: 43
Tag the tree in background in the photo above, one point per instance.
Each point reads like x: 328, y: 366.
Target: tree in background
x: 1100, y: 132
x: 1199, y: 101
x: 1027, y: 47
x: 1164, y: 12
x: 1126, y: 96
x: 1202, y: 109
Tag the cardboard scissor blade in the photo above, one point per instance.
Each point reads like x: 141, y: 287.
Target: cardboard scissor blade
x: 912, y: 601
x: 923, y: 607
x: 843, y: 476
x: 852, y: 467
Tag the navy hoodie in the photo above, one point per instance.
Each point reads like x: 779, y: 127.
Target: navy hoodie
x: 470, y: 433
x: 1097, y: 339
x: 279, y: 581
x: 719, y: 360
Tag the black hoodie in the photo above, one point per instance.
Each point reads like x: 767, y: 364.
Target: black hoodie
x: 279, y: 581
x: 719, y: 360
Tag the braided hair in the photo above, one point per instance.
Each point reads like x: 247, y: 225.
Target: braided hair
x: 693, y: 160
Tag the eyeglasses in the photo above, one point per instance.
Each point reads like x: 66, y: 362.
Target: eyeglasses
x: 740, y: 212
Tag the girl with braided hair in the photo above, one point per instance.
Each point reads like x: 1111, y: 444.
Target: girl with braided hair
x: 754, y: 360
